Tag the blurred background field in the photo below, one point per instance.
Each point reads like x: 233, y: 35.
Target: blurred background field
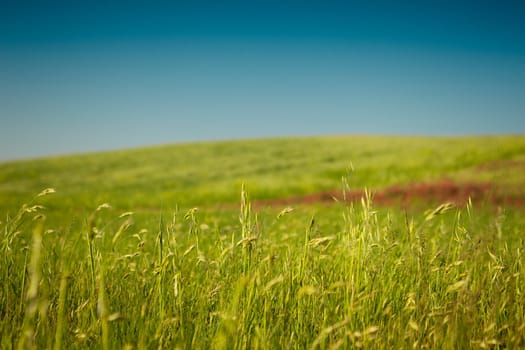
x: 211, y: 173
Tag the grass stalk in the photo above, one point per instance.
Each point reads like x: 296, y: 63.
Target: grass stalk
x: 27, y: 340
x: 61, y: 311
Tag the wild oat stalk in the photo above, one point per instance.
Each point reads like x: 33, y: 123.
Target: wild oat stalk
x: 248, y: 238
x: 91, y: 234
x: 27, y: 340
x: 245, y: 214
x: 102, y: 308
x: 160, y: 271
x: 61, y: 311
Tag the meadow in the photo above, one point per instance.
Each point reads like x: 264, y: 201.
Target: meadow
x: 179, y: 246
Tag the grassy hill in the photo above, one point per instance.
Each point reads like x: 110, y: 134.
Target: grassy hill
x: 207, y: 173
x: 83, y: 276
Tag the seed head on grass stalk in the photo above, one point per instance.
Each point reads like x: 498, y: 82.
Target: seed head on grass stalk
x: 46, y: 192
x: 284, y: 212
x: 161, y: 269
x: 344, y: 181
x: 191, y: 217
x: 123, y: 227
x: 12, y: 226
x: 245, y: 214
x: 248, y: 238
x: 307, y: 235
x: 91, y: 234
x: 443, y: 208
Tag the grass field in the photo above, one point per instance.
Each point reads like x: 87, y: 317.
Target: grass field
x: 164, y: 247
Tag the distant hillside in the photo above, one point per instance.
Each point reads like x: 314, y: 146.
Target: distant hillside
x: 207, y: 173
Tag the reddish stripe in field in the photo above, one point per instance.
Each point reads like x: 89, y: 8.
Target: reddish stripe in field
x: 441, y: 191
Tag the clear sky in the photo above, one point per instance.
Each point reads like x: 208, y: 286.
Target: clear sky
x: 95, y: 75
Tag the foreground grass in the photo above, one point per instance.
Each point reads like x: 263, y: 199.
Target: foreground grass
x: 339, y: 277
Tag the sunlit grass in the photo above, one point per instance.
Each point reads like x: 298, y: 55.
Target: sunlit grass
x: 152, y: 248
x: 346, y: 276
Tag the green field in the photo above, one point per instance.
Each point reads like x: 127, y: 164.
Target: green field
x: 164, y: 247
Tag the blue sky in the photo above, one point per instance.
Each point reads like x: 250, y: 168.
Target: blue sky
x: 81, y: 77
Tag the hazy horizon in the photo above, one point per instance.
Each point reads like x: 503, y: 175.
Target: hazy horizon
x: 77, y: 78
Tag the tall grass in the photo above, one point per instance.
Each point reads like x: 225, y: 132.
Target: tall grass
x: 348, y: 276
